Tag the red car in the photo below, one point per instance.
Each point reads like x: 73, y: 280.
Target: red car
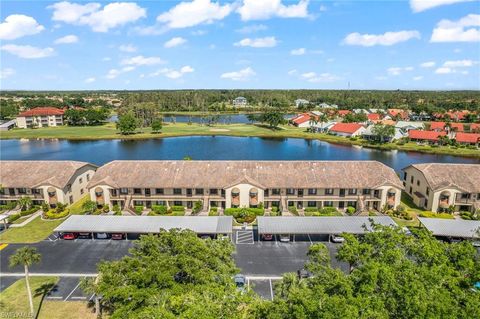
x: 117, y: 236
x: 69, y: 236
x: 267, y: 236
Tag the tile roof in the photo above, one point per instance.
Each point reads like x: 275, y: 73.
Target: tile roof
x: 31, y: 174
x: 463, y: 176
x: 42, y: 111
x: 301, y: 118
x: 467, y: 138
x: 437, y: 126
x: 343, y: 112
x: 475, y: 127
x: 425, y: 135
x: 346, y: 127
x: 374, y: 117
x: 269, y: 174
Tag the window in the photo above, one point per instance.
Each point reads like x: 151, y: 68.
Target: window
x: 198, y: 191
x: 137, y: 191
x: 81, y: 191
x: 411, y: 179
x: 124, y: 191
x: 177, y: 191
x: 352, y: 191
x: 328, y: 203
x: 80, y: 180
x: 159, y: 191
x: 22, y: 190
x: 418, y: 183
x: 290, y: 191
x: 312, y: 191
x: 113, y: 192
x: 276, y: 191
x: 405, y: 177
x: 426, y: 203
x: 137, y: 203
x: 71, y: 199
x: 36, y: 190
x: 410, y: 190
x: 88, y: 177
x: 2, y: 191
x: 328, y: 191
x: 352, y: 204
x: 265, y: 194
x: 465, y: 196
x: 177, y: 203
x: 213, y: 191
x: 366, y: 191
x: 312, y: 204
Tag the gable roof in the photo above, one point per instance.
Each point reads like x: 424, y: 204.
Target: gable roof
x: 263, y: 174
x: 346, y: 127
x: 462, y: 176
x: 425, y: 135
x: 301, y: 118
x: 344, y: 112
x: 41, y: 111
x: 374, y: 117
x: 31, y: 174
x: 467, y: 138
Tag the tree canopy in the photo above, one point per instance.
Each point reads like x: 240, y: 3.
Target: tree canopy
x: 127, y: 123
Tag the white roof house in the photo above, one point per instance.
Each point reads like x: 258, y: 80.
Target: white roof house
x: 300, y: 102
x: 240, y: 101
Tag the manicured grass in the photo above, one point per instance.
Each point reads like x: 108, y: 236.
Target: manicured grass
x: 76, y: 208
x: 108, y: 131
x: 14, y: 299
x: 62, y: 310
x: 33, y: 232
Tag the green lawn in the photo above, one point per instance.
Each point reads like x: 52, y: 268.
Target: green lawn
x: 33, y: 232
x: 62, y: 310
x: 14, y: 299
x: 108, y: 131
x: 76, y: 208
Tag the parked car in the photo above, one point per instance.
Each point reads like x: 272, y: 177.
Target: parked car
x: 337, y: 239
x: 84, y: 235
x: 285, y: 238
x: 303, y: 273
x: 454, y: 239
x: 205, y: 237
x: 267, y: 236
x: 240, y: 282
x: 69, y: 236
x: 476, y: 243
x: 102, y: 236
x: 117, y: 236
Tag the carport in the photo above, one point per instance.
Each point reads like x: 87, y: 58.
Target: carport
x: 452, y: 227
x: 320, y: 225
x: 202, y: 225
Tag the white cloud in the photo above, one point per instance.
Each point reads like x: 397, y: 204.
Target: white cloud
x: 444, y: 70
x: 7, y: 72
x: 422, y: 5
x: 464, y: 30
x: 252, y: 28
x: 266, y: 42
x: 19, y: 25
x: 417, y: 78
x: 90, y: 80
x: 265, y: 9
x: 189, y: 14
x: 399, y: 70
x: 112, y: 15
x: 428, y: 64
x: 173, y: 42
x: 107, y: 59
x: 322, y: 77
x: 292, y: 72
x: 241, y: 75
x: 386, y: 39
x: 172, y: 73
x: 129, y: 48
x: 67, y: 39
x: 454, y: 66
x: 199, y: 32
x: 300, y: 51
x: 141, y: 60
x: 113, y: 73
x: 27, y: 51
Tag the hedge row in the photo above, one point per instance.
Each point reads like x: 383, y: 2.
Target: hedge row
x: 27, y: 212
x: 52, y: 214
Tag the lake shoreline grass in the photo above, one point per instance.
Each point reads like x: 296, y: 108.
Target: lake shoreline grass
x: 109, y: 132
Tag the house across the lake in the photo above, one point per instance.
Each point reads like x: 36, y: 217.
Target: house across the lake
x: 347, y: 129
x: 431, y: 137
x: 240, y: 101
x: 40, y: 117
x: 224, y: 184
x: 301, y: 102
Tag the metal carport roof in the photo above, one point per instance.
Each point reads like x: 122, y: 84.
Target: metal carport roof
x: 320, y: 225
x: 452, y: 228
x: 146, y: 224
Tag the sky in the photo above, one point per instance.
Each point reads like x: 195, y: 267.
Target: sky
x: 257, y: 44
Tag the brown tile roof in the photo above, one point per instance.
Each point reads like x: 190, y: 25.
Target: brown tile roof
x: 31, y: 174
x: 466, y: 177
x: 346, y: 127
x: 39, y: 111
x: 267, y: 174
x: 425, y: 135
x: 467, y: 138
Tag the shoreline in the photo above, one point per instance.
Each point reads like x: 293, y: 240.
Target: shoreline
x: 108, y: 132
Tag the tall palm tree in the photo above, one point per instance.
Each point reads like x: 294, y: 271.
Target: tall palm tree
x: 90, y: 286
x: 312, y: 121
x: 25, y: 203
x: 26, y: 256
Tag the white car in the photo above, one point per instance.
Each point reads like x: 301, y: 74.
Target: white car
x: 337, y: 239
x: 102, y: 236
x: 285, y: 238
x: 476, y: 243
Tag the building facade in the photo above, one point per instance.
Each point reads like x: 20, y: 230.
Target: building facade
x: 436, y: 187
x: 240, y: 101
x: 50, y: 182
x: 224, y: 184
x: 40, y: 117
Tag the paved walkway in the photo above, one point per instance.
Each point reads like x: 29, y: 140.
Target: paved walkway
x: 26, y: 221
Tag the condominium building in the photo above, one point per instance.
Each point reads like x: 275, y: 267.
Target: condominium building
x: 436, y: 187
x: 40, y: 117
x: 225, y: 184
x: 48, y: 182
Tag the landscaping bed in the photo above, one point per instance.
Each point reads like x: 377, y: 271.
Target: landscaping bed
x: 25, y: 213
x: 244, y: 215
x: 326, y: 211
x: 162, y: 210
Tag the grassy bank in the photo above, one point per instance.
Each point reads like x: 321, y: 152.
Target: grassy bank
x: 33, y: 232
x: 108, y: 131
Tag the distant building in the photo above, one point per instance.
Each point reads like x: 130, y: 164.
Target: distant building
x: 301, y: 102
x: 302, y: 120
x: 40, y: 117
x: 5, y: 126
x: 240, y: 101
x: 327, y: 106
x: 468, y: 138
x: 347, y: 129
x: 425, y: 136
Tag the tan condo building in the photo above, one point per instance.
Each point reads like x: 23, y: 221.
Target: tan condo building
x: 48, y: 182
x: 224, y: 184
x: 40, y: 117
x: 436, y: 187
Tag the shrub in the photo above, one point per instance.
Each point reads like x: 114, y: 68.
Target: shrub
x: 45, y: 207
x: 197, y: 207
x: 105, y: 208
x: 436, y: 215
x: 138, y: 210
x: 213, y: 211
x: 160, y: 209
x: 260, y: 205
x: 13, y: 218
x: 178, y: 213
x: 244, y: 214
x: 469, y: 216
x: 274, y: 209
x: 312, y: 213
x: 293, y: 210
x: 29, y: 211
x: 328, y: 210
x: 311, y: 210
x: 117, y: 210
x: 52, y: 214
x: 350, y: 210
x: 178, y: 208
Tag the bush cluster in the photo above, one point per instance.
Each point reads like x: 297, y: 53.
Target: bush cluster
x: 244, y: 214
x: 197, y: 207
x: 178, y: 208
x: 160, y: 210
x: 325, y: 211
x: 470, y: 215
x: 213, y: 211
x: 293, y: 210
x: 53, y: 214
x: 138, y: 210
x: 436, y: 215
x: 8, y: 206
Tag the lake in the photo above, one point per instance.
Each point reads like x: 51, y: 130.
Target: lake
x: 210, y: 148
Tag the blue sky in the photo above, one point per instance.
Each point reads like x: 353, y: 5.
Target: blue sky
x: 416, y: 44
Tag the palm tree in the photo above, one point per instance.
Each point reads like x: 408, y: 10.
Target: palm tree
x: 312, y: 121
x: 90, y: 286
x: 25, y: 203
x: 289, y: 283
x: 26, y: 256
